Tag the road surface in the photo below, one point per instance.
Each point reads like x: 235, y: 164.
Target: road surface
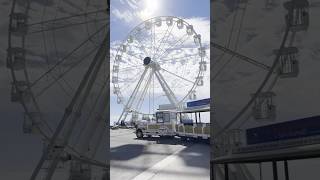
x: 157, y: 158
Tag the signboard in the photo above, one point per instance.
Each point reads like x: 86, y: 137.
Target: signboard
x: 201, y: 102
x: 294, y: 129
x: 295, y: 139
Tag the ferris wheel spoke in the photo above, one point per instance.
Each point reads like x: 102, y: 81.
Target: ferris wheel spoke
x: 151, y: 38
x: 154, y: 40
x: 131, y: 63
x: 127, y: 80
x: 67, y: 17
x: 134, y: 75
x: 241, y: 57
x: 60, y: 76
x: 160, y: 41
x: 67, y: 25
x: 141, y: 46
x: 136, y: 56
x: 125, y: 60
x: 54, y: 75
x: 66, y: 57
x: 192, y: 82
x: 129, y: 68
x: 161, y: 50
x: 184, y: 57
x: 139, y: 40
x: 73, y: 5
x: 180, y: 41
x: 134, y: 79
x: 167, y: 38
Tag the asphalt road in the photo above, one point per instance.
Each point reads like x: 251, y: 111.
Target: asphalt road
x: 157, y: 158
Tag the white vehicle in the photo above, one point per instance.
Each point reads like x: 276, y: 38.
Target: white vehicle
x: 185, y: 124
x: 164, y: 125
x: 193, y: 128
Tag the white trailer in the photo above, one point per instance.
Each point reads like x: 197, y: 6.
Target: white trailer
x: 186, y: 124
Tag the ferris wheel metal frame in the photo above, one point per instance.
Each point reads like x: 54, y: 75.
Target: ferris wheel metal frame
x: 56, y: 147
x: 227, y: 139
x: 151, y: 62
x: 296, y: 20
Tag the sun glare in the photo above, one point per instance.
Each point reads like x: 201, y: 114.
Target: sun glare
x: 150, y: 7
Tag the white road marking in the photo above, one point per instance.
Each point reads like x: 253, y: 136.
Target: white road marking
x: 150, y: 172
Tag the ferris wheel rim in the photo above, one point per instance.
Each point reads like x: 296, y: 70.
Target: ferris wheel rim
x: 130, y: 33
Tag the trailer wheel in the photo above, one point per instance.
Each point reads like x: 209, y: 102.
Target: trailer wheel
x: 139, y: 134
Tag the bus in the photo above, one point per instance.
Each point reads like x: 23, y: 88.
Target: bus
x: 186, y: 123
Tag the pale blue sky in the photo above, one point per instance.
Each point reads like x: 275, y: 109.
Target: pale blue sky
x: 180, y: 8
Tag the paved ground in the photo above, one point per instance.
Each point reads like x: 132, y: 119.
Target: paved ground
x: 157, y: 158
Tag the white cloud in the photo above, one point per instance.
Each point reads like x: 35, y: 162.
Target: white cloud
x: 126, y: 15
x: 137, y: 10
x: 133, y: 4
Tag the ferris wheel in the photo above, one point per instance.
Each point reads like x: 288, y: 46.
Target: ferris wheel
x: 248, y: 83
x: 245, y: 82
x: 232, y: 61
x: 57, y: 56
x: 161, y: 61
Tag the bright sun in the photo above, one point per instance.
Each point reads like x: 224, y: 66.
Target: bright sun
x: 150, y: 7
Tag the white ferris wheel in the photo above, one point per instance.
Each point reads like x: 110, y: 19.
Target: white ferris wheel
x: 250, y: 67
x: 57, y: 56
x: 161, y: 61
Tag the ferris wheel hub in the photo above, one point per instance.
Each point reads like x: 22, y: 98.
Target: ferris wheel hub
x: 149, y: 63
x: 146, y: 61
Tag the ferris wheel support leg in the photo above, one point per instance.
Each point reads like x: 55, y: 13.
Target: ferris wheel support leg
x: 145, y: 90
x: 124, y: 113
x: 100, y: 57
x: 93, y: 123
x: 95, y: 138
x: 90, y: 78
x: 165, y: 87
x: 101, y: 132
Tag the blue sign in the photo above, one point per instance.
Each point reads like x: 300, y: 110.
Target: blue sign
x: 284, y: 131
x: 201, y: 102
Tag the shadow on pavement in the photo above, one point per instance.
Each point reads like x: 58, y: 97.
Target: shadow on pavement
x: 174, y: 141
x: 195, y: 153
x: 126, y: 152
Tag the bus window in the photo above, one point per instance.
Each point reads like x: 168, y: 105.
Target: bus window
x: 166, y: 117
x: 159, y: 117
x: 173, y: 116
